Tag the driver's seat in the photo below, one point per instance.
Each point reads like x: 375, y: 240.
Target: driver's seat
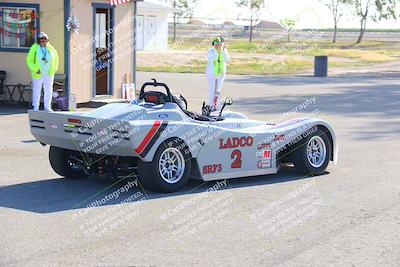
x: 155, y: 97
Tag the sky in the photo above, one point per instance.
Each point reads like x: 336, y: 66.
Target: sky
x: 309, y: 13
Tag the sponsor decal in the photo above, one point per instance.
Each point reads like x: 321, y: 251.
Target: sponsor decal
x: 263, y: 145
x: 69, y: 125
x: 151, y: 137
x: 102, y: 132
x: 263, y: 155
x: 279, y: 137
x: 53, y: 125
x: 213, y: 168
x: 235, y: 142
x: 72, y: 123
x: 163, y: 116
x: 263, y: 164
x: 266, y: 154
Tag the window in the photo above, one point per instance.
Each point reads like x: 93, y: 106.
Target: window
x: 100, y: 30
x: 18, y: 26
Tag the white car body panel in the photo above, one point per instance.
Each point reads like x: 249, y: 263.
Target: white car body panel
x: 134, y: 126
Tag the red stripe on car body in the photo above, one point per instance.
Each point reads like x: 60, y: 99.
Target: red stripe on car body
x: 148, y: 137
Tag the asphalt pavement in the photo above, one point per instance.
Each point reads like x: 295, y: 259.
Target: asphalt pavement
x: 348, y: 217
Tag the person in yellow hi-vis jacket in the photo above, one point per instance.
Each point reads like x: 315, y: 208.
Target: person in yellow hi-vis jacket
x: 216, y: 69
x: 42, y: 61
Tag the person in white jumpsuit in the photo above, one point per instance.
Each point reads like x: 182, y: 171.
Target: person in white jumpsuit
x: 216, y: 70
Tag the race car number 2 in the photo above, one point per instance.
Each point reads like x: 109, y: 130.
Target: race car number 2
x: 237, y: 159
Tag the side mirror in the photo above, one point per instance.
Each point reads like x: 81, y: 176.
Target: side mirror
x: 228, y: 101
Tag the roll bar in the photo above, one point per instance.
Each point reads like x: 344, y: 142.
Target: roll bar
x: 155, y: 84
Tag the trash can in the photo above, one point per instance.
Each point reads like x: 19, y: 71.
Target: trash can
x: 321, y: 66
x: 62, y: 102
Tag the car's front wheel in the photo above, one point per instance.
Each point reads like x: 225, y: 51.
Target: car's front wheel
x: 169, y: 169
x: 312, y: 155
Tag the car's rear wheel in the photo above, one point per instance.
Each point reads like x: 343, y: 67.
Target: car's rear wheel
x: 312, y: 155
x: 67, y: 163
x: 169, y: 169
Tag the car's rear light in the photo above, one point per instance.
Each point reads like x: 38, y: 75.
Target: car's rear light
x: 72, y: 120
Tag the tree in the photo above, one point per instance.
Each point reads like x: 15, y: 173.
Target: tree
x: 289, y: 25
x: 374, y: 9
x: 254, y: 7
x: 186, y: 7
x: 336, y: 7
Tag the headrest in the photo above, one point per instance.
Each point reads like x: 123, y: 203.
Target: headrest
x: 155, y: 97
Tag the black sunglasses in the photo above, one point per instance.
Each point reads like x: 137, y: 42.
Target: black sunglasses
x: 43, y: 38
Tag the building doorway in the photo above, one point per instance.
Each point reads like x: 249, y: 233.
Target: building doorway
x: 140, y: 32
x: 103, y: 50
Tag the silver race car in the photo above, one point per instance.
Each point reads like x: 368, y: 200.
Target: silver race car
x: 158, y: 139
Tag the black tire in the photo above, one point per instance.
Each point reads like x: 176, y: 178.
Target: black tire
x: 149, y: 172
x: 300, y: 159
x: 61, y: 163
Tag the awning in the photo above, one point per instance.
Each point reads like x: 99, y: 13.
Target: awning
x: 118, y: 2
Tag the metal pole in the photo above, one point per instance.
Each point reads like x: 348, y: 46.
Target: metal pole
x: 134, y: 43
x: 67, y: 13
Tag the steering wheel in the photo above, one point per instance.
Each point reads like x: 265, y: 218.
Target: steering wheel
x: 206, y: 109
x: 155, y: 97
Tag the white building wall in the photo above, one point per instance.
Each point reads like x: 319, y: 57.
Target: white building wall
x: 81, y: 61
x: 159, y: 40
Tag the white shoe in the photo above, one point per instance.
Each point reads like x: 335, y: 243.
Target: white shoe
x: 49, y: 110
x: 35, y: 109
